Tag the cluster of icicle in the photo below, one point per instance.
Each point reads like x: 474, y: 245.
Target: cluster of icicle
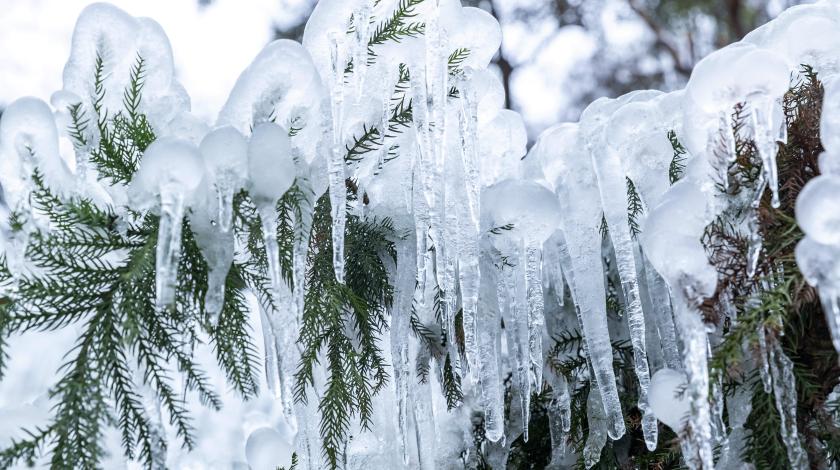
x: 506, y: 240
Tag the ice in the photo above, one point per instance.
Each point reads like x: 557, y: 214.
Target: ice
x: 281, y: 85
x: 424, y: 425
x: 217, y: 247
x: 534, y: 213
x: 598, y: 428
x: 804, y: 34
x: 559, y: 416
x: 739, y: 406
x: 267, y: 449
x: 272, y: 172
x: 400, y: 337
x: 663, y: 317
x: 119, y: 40
x: 225, y: 153
x: 338, y: 190
x: 739, y: 73
x: 784, y: 392
x: 668, y: 398
x: 28, y: 141
x: 491, y: 381
x: 612, y: 187
x: 512, y: 301
x: 816, y: 209
x: 361, y: 35
x: 820, y: 264
x: 560, y: 148
x: 678, y: 255
x: 170, y: 171
x: 830, y: 117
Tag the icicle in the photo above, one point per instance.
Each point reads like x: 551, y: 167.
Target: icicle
x: 512, y: 294
x: 469, y: 146
x: 739, y: 406
x: 598, y: 423
x: 271, y: 369
x: 400, y: 333
x: 588, y: 284
x: 268, y: 217
x: 830, y: 300
x: 338, y: 189
x: 697, y: 440
x: 559, y: 416
x: 661, y: 301
x: 612, y: 186
x: 470, y: 230
x: 448, y: 255
x: 763, y: 363
x: 361, y: 34
x: 784, y: 391
x: 536, y: 308
x: 424, y: 426
x: 224, y: 193
x: 553, y: 271
x: 766, y: 141
x: 489, y: 377
x: 168, y: 246
x: 755, y: 239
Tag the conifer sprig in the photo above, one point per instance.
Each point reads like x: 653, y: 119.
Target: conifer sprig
x: 91, y: 269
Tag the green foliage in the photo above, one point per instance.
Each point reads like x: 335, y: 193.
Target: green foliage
x: 293, y: 465
x: 97, y: 273
x: 399, y: 26
x: 635, y: 208
x: 677, y: 166
x: 356, y: 370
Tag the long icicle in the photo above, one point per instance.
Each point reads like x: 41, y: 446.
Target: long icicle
x: 168, y: 246
x: 338, y: 188
x: 611, y: 185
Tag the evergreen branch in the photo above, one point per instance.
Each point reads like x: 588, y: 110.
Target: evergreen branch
x: 635, y: 208
x: 677, y: 166
x: 396, y: 28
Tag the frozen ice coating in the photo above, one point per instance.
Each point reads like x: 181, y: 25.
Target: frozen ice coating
x: 270, y: 167
x: 830, y: 119
x: 817, y: 209
x: 742, y: 73
x: 272, y: 172
x: 29, y: 139
x: 581, y: 209
x: 216, y: 245
x: 281, y: 85
x: 531, y: 209
x: 486, y: 241
x: 668, y: 399
x: 534, y: 213
x: 104, y: 31
x: 502, y: 143
x: 225, y: 153
x: 170, y: 171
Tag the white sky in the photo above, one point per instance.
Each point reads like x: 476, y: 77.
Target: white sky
x: 213, y: 44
